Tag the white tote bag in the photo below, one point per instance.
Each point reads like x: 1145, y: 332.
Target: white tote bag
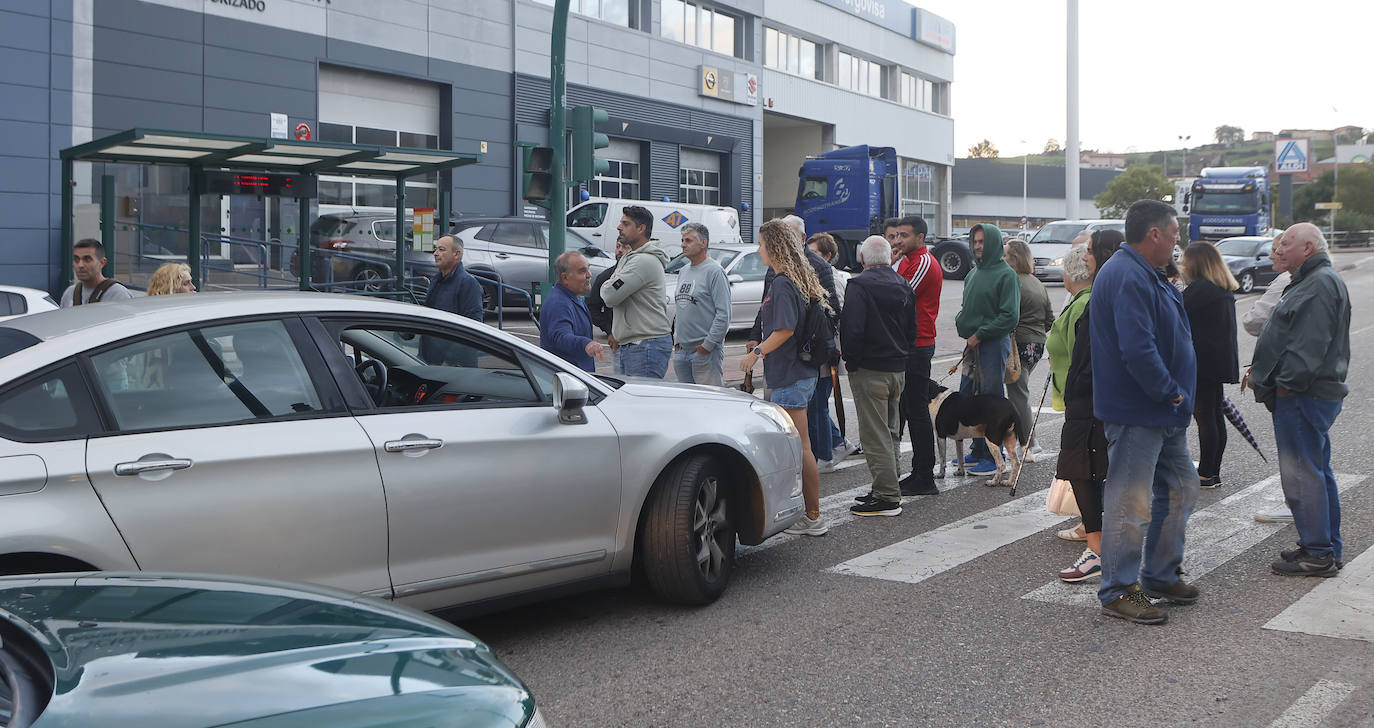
x: 1061, y: 500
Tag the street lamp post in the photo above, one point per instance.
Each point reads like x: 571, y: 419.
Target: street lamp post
x: 1024, y: 155
x: 1185, y: 138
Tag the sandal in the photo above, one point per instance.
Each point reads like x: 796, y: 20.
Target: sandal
x: 1073, y: 534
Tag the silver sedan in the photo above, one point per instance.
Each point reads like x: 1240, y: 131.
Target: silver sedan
x: 384, y: 448
x: 745, y: 271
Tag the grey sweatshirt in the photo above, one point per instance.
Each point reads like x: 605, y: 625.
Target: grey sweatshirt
x: 702, y: 300
x: 635, y: 294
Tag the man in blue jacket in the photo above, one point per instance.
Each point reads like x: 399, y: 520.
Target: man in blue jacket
x: 1299, y: 370
x: 1144, y: 377
x: 565, y: 324
x: 454, y: 290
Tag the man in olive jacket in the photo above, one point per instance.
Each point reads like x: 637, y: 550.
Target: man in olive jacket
x: 991, y: 310
x: 1299, y: 373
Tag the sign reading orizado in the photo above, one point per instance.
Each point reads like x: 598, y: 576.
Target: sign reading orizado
x: 1290, y: 155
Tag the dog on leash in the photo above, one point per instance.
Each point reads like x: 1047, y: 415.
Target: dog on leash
x: 959, y: 417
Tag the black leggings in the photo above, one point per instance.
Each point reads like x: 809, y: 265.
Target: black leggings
x: 1088, y: 494
x: 1211, y: 429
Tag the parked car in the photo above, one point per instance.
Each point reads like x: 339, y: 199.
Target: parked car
x: 1248, y: 259
x: 743, y: 269
x: 19, y: 301
x: 127, y: 649
x: 953, y: 255
x: 1051, y: 242
x: 517, y: 249
x: 380, y: 447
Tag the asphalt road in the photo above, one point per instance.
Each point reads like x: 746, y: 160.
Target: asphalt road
x: 951, y: 613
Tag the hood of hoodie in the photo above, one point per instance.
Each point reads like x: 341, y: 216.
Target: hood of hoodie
x: 651, y: 248
x: 992, y: 245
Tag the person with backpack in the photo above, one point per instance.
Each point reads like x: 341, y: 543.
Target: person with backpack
x: 88, y: 263
x: 796, y: 339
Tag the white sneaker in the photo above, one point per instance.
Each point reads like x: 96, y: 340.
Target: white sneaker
x: 825, y: 466
x: 807, y: 527
x: 1278, y: 515
x: 843, y: 450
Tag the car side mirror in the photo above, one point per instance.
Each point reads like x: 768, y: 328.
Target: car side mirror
x: 591, y: 251
x: 569, y: 397
x: 734, y: 278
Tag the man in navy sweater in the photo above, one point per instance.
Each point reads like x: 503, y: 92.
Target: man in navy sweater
x: 565, y: 324
x: 1144, y: 377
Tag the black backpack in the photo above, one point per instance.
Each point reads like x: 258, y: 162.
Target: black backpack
x: 815, y: 336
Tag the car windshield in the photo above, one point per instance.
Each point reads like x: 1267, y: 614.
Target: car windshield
x: 1059, y: 232
x: 1240, y: 247
x: 1225, y: 203
x: 720, y: 256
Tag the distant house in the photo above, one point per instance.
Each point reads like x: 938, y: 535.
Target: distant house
x: 1261, y: 136
x: 1100, y: 160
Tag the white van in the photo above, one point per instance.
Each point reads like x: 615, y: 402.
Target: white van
x: 598, y: 217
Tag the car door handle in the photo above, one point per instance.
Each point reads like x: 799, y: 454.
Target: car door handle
x: 138, y: 467
x: 412, y: 445
x: 503, y: 256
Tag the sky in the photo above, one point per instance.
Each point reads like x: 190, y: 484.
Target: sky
x: 1150, y: 72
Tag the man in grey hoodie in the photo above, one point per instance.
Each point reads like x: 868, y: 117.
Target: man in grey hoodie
x: 636, y: 296
x: 702, y: 306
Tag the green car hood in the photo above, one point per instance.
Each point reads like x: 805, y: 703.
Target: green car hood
x: 196, y: 651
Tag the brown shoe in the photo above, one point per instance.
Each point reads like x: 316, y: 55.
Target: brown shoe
x: 1134, y: 606
x: 1178, y: 592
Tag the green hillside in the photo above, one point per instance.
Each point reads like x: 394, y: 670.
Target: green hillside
x: 1244, y: 154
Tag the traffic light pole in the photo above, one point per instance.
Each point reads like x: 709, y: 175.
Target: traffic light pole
x: 558, y: 125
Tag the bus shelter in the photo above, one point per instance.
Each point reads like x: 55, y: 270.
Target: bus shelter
x: 221, y: 164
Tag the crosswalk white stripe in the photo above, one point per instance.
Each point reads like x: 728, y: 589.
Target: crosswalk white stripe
x: 1216, y: 534
x: 1314, y: 705
x: 918, y: 558
x: 1340, y: 607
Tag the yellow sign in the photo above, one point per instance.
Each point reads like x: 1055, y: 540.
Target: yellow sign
x: 422, y: 230
x: 1328, y: 205
x: 710, y: 81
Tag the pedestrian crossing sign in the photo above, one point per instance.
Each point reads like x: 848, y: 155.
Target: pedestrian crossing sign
x: 674, y: 219
x: 1290, y: 155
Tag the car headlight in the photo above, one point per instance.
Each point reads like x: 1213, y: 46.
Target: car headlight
x: 1057, y: 261
x: 775, y: 414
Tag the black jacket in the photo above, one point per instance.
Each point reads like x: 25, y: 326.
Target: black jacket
x: 601, y: 313
x: 1212, y: 316
x: 1083, y: 441
x: 824, y: 272
x: 878, y: 324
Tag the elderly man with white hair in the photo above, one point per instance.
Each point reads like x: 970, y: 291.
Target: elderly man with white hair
x: 1298, y: 372
x: 877, y: 335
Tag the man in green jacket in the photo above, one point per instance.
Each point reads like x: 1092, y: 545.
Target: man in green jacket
x: 991, y: 310
x: 1298, y: 372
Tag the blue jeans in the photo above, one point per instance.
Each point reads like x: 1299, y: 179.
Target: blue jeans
x: 991, y: 370
x: 695, y: 368
x: 818, y: 418
x: 647, y: 358
x: 1309, y: 486
x: 1151, y: 484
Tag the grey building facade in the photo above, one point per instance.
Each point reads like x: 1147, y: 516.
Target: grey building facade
x: 467, y: 75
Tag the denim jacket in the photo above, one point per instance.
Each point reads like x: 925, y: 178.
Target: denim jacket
x: 1305, y: 346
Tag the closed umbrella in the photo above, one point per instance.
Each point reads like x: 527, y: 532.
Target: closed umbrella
x: 1228, y: 408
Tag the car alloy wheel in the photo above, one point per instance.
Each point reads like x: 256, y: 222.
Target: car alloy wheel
x: 370, y: 278
x: 687, y: 540
x: 1247, y: 282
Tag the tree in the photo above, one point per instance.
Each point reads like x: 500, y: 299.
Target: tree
x: 1142, y: 182
x: 1307, y: 196
x: 983, y: 150
x: 1229, y: 134
x: 1052, y: 147
x: 1350, y: 136
x: 1356, y: 191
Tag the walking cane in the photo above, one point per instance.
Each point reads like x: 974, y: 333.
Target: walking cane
x: 1021, y: 463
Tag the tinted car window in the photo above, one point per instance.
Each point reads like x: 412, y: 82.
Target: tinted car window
x: 12, y: 304
x: 432, y: 368
x: 487, y: 232
x: 589, y: 216
x: 12, y: 340
x: 384, y: 230
x: 209, y: 376
x: 52, y: 406
x: 519, y: 234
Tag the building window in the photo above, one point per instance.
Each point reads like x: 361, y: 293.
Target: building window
x: 920, y: 93
x: 621, y: 180
x: 787, y: 52
x: 919, y: 191
x: 700, y: 26
x: 860, y: 74
x: 611, y: 11
x: 349, y: 191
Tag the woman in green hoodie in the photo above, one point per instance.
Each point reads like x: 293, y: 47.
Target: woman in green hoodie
x: 991, y: 309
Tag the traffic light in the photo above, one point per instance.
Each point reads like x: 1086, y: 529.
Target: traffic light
x: 537, y: 177
x: 586, y: 141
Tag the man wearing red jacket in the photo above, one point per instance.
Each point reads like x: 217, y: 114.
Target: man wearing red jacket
x: 916, y: 264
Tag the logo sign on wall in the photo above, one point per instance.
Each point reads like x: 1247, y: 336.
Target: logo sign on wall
x: 739, y: 88
x: 303, y: 132
x: 1290, y: 155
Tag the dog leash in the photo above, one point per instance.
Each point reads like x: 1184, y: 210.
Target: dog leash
x: 1021, y: 463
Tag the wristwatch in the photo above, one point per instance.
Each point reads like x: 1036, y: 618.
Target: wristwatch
x: 758, y: 352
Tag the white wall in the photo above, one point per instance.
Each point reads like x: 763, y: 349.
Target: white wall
x: 1002, y: 206
x: 784, y: 149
